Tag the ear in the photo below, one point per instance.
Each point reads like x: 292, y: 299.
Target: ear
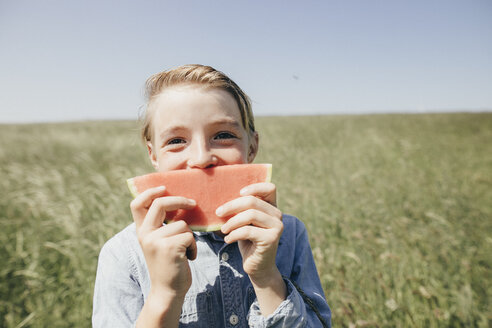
x: 253, y: 147
x: 152, y: 155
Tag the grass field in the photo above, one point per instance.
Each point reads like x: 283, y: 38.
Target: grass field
x: 398, y: 207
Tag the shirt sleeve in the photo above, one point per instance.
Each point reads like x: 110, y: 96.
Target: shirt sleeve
x: 118, y: 299
x: 305, y: 305
x: 290, y: 313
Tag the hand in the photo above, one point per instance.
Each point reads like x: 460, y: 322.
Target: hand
x: 166, y: 248
x: 257, y: 227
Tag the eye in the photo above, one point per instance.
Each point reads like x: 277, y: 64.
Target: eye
x: 225, y: 135
x: 175, y: 141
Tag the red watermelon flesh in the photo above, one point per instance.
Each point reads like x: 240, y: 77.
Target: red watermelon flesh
x: 210, y: 188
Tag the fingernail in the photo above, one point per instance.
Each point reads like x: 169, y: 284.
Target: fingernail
x: 192, y: 201
x: 161, y: 188
x: 219, y: 211
x: 243, y: 191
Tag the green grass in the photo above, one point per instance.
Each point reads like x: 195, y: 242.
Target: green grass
x: 398, y: 208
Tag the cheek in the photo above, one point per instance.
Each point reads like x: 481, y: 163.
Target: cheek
x: 238, y: 155
x: 170, y: 161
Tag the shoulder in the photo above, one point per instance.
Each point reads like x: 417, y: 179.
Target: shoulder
x: 122, y: 239
x: 292, y: 245
x: 293, y: 227
x: 122, y: 248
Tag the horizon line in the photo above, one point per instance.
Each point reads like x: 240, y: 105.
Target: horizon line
x: 420, y: 112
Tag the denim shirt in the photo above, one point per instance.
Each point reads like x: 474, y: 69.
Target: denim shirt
x: 221, y: 294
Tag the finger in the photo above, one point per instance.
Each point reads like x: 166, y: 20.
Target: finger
x: 247, y: 202
x: 171, y: 229
x: 140, y: 205
x: 253, y: 217
x: 264, y: 190
x: 157, y: 211
x: 192, y: 249
x: 255, y: 234
x: 185, y: 244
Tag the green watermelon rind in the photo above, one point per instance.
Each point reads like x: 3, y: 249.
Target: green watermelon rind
x: 132, y: 187
x: 269, y: 173
x: 207, y: 228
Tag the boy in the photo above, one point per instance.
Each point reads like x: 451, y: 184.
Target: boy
x: 258, y: 271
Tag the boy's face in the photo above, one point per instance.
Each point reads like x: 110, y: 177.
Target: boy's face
x: 194, y: 127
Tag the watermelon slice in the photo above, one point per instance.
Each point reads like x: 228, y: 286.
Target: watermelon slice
x: 210, y: 188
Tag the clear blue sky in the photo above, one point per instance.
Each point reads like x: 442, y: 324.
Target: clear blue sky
x: 69, y: 60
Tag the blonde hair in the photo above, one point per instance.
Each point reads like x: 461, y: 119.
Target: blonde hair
x: 194, y: 74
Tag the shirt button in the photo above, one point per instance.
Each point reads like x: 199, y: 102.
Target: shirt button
x: 234, y: 319
x: 225, y: 256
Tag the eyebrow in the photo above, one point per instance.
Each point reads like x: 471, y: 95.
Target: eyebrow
x: 227, y: 121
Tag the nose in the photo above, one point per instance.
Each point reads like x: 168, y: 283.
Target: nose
x: 201, y: 156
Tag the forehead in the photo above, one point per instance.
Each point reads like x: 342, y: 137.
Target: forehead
x: 193, y: 104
